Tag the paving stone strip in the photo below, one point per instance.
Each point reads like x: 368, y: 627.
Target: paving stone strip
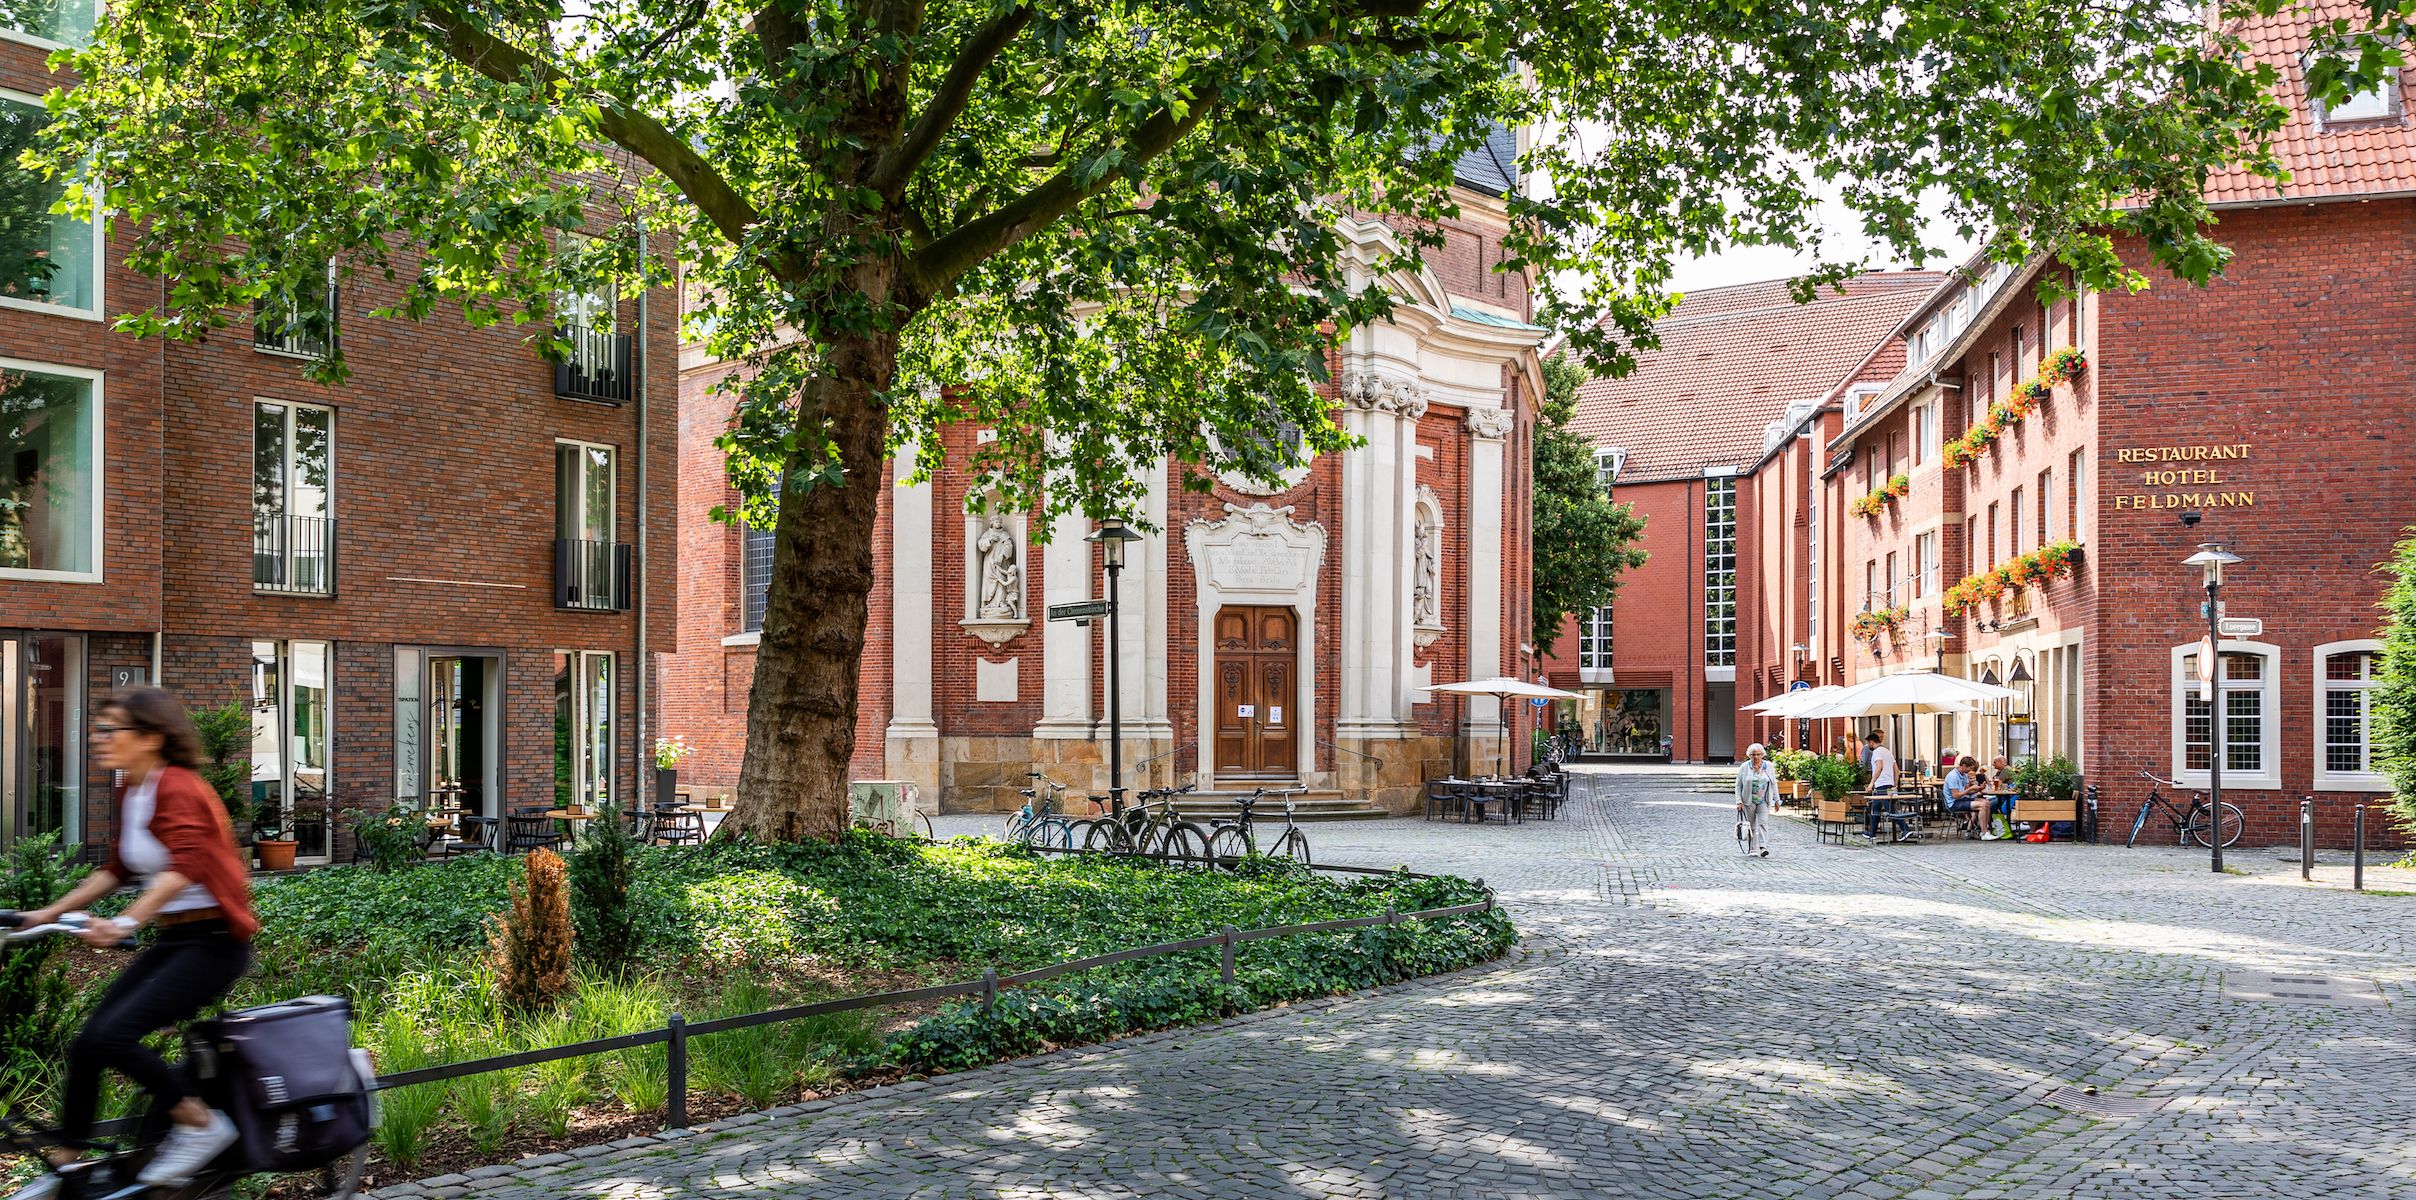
x: 1680, y: 1021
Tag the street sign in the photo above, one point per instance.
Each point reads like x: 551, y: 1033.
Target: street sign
x: 1081, y: 610
x: 1800, y: 685
x: 1539, y: 702
x: 2241, y: 627
x: 2206, y: 670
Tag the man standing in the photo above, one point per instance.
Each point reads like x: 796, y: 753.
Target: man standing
x: 1883, y: 782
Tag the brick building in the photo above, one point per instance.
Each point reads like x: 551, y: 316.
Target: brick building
x: 2270, y: 405
x: 1283, y: 637
x: 1713, y: 430
x: 422, y: 583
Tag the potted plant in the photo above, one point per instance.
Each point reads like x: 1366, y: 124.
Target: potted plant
x: 1835, y: 779
x: 269, y: 830
x: 667, y: 753
x: 1791, y: 765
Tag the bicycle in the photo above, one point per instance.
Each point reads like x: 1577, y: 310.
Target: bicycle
x: 1151, y: 826
x: 111, y: 1174
x: 1038, y: 822
x: 2187, y: 826
x: 1238, y: 838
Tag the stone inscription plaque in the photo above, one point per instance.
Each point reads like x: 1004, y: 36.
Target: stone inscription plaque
x: 1256, y: 564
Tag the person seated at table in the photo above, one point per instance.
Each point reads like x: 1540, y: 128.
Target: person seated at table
x: 1967, y: 793
x: 2000, y: 775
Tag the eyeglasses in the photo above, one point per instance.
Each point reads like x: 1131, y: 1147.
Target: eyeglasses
x: 105, y: 730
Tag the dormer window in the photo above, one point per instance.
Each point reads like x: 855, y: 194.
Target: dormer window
x: 2378, y: 104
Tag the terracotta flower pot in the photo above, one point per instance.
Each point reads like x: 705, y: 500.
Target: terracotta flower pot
x: 275, y: 855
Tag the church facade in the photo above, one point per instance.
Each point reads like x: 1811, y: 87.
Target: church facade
x: 1279, y: 637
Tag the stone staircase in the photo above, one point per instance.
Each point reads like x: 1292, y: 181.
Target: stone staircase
x: 1306, y: 807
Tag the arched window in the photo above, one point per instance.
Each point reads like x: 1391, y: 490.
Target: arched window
x: 2247, y: 693
x: 2346, y: 676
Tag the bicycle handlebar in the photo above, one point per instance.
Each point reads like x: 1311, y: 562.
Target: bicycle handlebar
x: 68, y: 923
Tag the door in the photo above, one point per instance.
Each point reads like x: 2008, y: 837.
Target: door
x: 1720, y: 701
x: 1257, y: 653
x: 41, y: 736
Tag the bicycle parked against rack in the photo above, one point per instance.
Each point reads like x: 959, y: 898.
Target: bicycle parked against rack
x: 1151, y: 826
x: 1039, y: 823
x: 316, y: 1111
x: 2190, y: 826
x: 1231, y: 840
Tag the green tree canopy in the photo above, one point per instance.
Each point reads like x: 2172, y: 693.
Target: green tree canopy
x: 1584, y: 540
x: 1106, y: 228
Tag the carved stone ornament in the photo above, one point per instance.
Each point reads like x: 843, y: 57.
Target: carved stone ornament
x: 1426, y: 586
x: 1492, y: 424
x: 997, y: 633
x: 1379, y: 393
x: 1257, y: 550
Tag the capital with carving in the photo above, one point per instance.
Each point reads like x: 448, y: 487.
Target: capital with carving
x: 1492, y: 424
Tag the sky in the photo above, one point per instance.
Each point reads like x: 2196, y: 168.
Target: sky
x: 1752, y: 264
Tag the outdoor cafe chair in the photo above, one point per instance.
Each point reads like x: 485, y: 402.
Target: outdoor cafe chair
x: 528, y: 828
x: 677, y: 828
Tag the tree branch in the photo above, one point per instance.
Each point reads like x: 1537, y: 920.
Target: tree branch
x: 949, y: 101
x: 635, y: 131
x: 968, y: 244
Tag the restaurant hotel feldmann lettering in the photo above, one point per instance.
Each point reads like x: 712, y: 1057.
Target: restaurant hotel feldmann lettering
x: 2158, y: 475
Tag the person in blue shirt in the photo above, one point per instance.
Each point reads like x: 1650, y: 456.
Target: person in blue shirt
x: 1967, y: 793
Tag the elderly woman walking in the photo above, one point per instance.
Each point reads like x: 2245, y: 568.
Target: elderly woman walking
x: 1757, y: 790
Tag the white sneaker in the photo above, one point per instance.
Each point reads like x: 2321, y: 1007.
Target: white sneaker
x: 1990, y: 836
x: 44, y: 1186
x: 188, y: 1149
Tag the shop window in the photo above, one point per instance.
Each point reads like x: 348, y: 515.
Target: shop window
x: 50, y: 472
x: 2245, y: 695
x: 47, y: 261
x: 290, y: 769
x: 2347, y: 675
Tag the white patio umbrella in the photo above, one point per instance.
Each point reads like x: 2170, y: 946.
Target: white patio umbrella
x: 1910, y: 693
x: 1504, y: 688
x: 1790, y: 704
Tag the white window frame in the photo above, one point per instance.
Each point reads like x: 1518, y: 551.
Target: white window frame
x: 2387, y: 94
x: 100, y: 246
x: 100, y: 482
x: 1925, y: 565
x: 2270, y: 688
x: 2344, y: 781
x: 612, y: 518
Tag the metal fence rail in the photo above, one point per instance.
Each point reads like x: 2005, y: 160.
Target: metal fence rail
x: 677, y: 1030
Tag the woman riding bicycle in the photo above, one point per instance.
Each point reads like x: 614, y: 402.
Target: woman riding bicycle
x: 171, y: 828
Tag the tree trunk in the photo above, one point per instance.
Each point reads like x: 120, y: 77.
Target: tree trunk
x: 801, y: 717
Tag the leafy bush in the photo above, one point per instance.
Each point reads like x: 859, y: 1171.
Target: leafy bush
x: 530, y: 946
x: 1792, y: 764
x: 601, y: 865
x: 390, y: 835
x: 37, y: 1004
x: 1833, y: 778
x: 226, y: 741
x: 2055, y: 778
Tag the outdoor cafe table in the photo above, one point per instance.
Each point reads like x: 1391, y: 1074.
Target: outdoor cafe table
x: 1488, y: 791
x: 710, y: 816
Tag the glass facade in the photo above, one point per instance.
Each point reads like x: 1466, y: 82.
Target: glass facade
x: 49, y: 473
x: 52, y: 22
x: 1719, y: 572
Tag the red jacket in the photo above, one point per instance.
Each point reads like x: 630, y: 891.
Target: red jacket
x: 188, y: 819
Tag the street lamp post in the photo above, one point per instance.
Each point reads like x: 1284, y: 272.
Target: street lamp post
x: 2210, y: 559
x: 1111, y: 538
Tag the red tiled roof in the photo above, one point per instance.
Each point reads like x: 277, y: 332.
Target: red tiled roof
x: 1731, y: 360
x: 2359, y: 159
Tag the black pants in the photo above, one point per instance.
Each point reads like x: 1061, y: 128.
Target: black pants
x: 187, y: 969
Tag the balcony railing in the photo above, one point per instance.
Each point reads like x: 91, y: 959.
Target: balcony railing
x: 294, y: 555
x: 595, y: 367
x: 284, y: 328
x: 591, y: 576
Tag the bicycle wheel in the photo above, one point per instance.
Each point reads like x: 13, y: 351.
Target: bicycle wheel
x: 2138, y: 823
x: 1077, y: 834
x: 1014, y: 830
x: 2232, y: 820
x: 1294, y: 846
x: 922, y: 822
x: 1228, y: 845
x: 1108, y: 837
x: 1185, y: 845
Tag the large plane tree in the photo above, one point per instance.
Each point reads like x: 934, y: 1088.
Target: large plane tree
x: 1105, y: 228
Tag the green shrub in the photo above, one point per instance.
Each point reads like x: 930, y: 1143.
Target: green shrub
x: 226, y: 742
x: 391, y: 835
x: 601, y: 865
x: 1833, y: 778
x: 38, y: 1007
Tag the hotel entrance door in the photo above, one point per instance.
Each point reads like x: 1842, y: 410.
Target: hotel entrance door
x: 1257, y: 651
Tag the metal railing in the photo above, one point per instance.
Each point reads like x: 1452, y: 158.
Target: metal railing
x: 300, y: 330
x: 591, y: 576
x: 596, y: 366
x: 294, y: 555
x: 677, y: 1030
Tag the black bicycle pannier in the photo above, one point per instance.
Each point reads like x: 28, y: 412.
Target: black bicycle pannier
x: 299, y: 1094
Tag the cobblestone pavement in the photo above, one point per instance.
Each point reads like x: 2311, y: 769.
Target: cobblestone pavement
x: 1683, y: 1022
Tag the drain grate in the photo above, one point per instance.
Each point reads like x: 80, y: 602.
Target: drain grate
x: 2102, y: 1107
x: 2300, y: 989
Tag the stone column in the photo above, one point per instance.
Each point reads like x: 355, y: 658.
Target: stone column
x: 911, y: 745
x: 1483, y: 726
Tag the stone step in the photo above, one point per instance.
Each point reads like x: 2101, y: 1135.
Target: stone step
x: 1307, y: 807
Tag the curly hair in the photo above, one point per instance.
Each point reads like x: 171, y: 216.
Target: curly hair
x: 155, y: 710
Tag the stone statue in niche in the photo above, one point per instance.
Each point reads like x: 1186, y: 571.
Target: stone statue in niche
x: 1001, y: 575
x: 1425, y: 596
